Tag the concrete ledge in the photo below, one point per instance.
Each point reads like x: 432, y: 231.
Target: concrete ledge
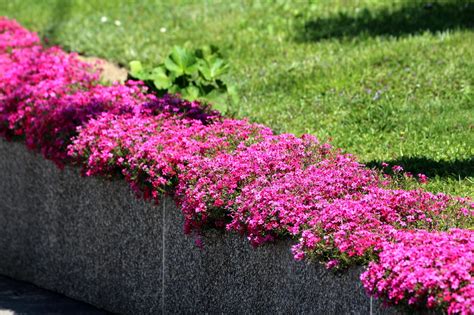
x: 92, y: 240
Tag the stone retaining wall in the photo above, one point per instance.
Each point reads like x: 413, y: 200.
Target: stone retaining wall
x: 92, y: 240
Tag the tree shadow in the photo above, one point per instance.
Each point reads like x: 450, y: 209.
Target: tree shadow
x: 431, y: 168
x: 412, y: 18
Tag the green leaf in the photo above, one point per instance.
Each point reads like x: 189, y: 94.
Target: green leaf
x: 218, y: 100
x: 213, y: 68
x: 160, y: 78
x: 207, y: 51
x: 191, y: 93
x: 135, y: 66
x: 137, y: 71
x: 181, y: 61
x: 175, y: 89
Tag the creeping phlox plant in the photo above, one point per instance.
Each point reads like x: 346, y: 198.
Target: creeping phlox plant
x: 233, y: 174
x: 421, y: 268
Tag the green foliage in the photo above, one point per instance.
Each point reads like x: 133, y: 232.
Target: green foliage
x: 196, y: 75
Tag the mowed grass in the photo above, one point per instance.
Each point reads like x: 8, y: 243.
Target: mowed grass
x: 385, y: 80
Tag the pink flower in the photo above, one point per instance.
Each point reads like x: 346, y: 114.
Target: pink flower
x: 422, y: 178
x: 397, y: 169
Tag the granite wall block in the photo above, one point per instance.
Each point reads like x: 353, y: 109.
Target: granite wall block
x: 91, y: 239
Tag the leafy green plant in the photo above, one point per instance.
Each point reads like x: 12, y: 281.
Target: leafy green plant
x: 196, y: 75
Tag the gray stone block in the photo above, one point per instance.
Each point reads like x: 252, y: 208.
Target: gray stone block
x: 91, y: 239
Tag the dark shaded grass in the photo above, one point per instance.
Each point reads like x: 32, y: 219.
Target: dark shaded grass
x: 413, y: 17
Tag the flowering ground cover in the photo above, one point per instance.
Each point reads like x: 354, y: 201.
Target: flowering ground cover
x: 385, y: 80
x: 241, y: 176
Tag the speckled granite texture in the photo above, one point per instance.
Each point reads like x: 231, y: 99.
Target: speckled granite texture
x: 92, y: 240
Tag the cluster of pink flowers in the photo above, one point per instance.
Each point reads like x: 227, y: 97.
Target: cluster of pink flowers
x: 151, y: 150
x: 268, y: 188
x: 425, y: 269
x: 233, y: 174
x: 353, y: 228
x: 12, y: 35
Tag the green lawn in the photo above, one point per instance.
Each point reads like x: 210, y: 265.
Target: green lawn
x: 387, y: 82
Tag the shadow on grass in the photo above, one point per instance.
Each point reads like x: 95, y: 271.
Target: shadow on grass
x: 411, y: 18
x: 59, y: 13
x: 431, y: 168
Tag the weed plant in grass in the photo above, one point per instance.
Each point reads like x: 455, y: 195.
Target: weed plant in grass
x: 386, y: 80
